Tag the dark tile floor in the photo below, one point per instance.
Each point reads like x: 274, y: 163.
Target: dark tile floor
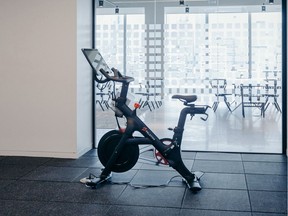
x: 233, y: 185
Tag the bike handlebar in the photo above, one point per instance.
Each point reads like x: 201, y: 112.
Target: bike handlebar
x: 200, y: 109
x: 118, y: 77
x: 99, y: 80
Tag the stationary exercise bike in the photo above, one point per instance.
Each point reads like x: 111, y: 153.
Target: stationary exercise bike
x: 118, y: 150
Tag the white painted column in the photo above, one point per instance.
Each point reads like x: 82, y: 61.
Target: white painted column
x: 43, y: 79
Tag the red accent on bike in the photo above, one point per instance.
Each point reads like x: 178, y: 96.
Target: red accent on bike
x: 144, y: 129
x: 136, y: 105
x: 122, y: 130
x: 160, y: 159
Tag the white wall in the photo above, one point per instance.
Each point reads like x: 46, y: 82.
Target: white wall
x: 38, y: 79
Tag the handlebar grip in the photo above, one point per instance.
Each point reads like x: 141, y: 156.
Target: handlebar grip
x: 205, y: 118
x: 107, y: 77
x: 104, y: 73
x: 116, y: 72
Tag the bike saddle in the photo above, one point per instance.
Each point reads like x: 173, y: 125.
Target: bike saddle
x: 186, y: 98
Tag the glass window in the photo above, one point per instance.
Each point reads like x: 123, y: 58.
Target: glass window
x: 185, y: 61
x: 121, y: 40
x: 110, y: 38
x: 266, y: 45
x: 183, y: 53
x: 228, y: 45
x: 135, y: 53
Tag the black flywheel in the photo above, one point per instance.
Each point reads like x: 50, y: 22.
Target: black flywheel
x: 128, y: 157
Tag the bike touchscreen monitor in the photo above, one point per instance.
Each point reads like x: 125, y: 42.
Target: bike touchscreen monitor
x: 96, y: 60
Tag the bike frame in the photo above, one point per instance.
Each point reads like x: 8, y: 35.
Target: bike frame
x: 170, y: 152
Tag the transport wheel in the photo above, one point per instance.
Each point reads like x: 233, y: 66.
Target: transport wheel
x: 159, y: 157
x: 126, y: 160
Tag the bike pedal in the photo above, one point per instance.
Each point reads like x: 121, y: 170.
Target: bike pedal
x: 193, y: 185
x: 88, y: 179
x: 95, y: 181
x: 85, y: 180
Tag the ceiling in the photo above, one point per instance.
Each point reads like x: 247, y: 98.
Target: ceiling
x: 144, y: 1
x: 221, y: 2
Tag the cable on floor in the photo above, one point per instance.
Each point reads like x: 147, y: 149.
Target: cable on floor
x: 92, y: 176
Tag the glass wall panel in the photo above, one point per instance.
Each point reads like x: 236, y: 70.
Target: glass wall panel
x: 120, y: 38
x: 231, y: 57
x: 110, y: 38
x: 228, y: 43
x: 186, y: 59
x: 266, y: 31
x: 135, y: 47
x: 227, y: 55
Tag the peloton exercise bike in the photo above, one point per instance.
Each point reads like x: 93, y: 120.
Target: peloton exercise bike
x: 118, y: 150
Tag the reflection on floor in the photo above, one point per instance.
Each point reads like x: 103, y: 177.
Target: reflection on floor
x: 223, y: 131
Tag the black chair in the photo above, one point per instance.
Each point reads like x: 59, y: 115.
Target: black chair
x: 272, y: 94
x: 219, y: 89
x: 103, y: 95
x: 253, y: 96
x: 148, y: 96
